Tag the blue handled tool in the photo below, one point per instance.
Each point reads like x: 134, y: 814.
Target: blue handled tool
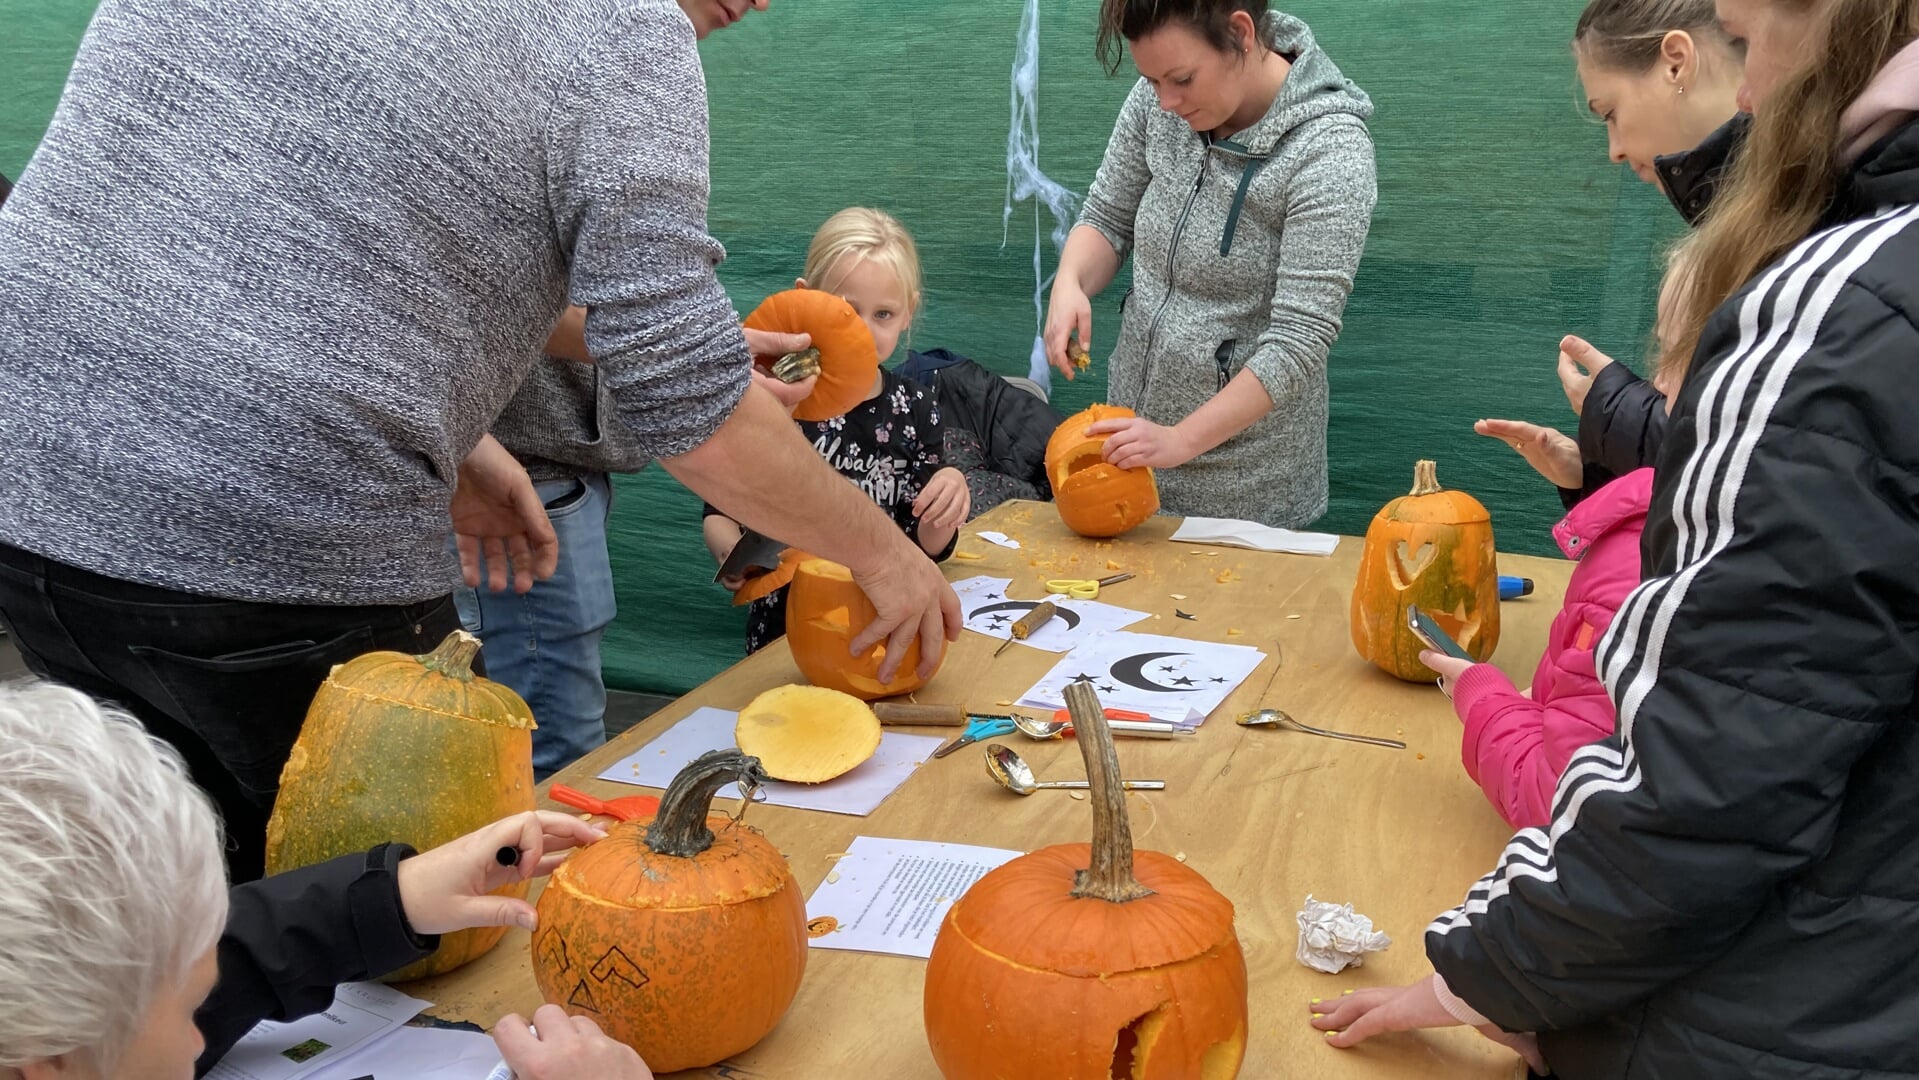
x: 977, y: 728
x: 1512, y: 588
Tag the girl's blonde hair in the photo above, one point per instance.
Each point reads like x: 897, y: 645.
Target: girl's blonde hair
x: 861, y: 232
x: 1790, y: 169
x: 1627, y: 35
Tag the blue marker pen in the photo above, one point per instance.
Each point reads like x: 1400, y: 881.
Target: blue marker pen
x: 1512, y: 588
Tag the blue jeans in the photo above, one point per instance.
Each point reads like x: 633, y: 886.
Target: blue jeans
x: 545, y: 643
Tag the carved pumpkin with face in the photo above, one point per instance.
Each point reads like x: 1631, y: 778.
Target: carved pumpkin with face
x: 1431, y: 549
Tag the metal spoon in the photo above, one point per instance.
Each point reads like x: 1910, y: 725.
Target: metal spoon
x: 1012, y: 773
x: 1276, y: 718
x: 1034, y: 727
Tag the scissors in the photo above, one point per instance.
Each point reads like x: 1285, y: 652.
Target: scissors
x: 1081, y: 588
x: 977, y: 728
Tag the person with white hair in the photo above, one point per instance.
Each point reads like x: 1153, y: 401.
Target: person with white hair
x: 123, y: 954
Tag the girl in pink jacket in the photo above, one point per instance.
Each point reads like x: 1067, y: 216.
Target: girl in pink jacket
x: 1515, y: 745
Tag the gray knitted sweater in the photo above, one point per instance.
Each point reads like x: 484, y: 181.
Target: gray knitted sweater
x: 277, y: 265
x: 1243, y: 255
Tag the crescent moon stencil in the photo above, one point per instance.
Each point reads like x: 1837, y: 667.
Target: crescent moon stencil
x: 1067, y: 616
x: 1132, y: 672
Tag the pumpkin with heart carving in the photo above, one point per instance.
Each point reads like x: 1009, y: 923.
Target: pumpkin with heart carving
x: 1431, y: 549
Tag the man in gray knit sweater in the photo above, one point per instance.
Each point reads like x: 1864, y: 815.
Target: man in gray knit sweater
x: 269, y: 278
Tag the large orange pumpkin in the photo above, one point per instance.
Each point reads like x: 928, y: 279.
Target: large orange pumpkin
x: 825, y: 611
x: 683, y: 936
x: 1063, y: 964
x: 411, y: 748
x: 1095, y: 497
x: 849, y: 362
x: 1431, y: 549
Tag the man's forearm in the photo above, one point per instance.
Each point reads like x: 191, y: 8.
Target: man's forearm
x: 760, y: 472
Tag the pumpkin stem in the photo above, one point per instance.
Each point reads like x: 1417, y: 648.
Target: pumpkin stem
x: 1111, y: 875
x: 1426, y: 478
x: 454, y: 656
x: 680, y: 828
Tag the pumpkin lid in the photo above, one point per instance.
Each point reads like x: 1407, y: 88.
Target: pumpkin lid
x: 685, y: 856
x: 622, y: 871
x: 1428, y: 503
x: 849, y: 361
x: 1100, y: 908
x: 807, y: 734
x: 1183, y: 918
x: 441, y: 681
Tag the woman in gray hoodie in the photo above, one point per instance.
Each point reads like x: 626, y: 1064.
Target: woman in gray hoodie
x: 1241, y: 173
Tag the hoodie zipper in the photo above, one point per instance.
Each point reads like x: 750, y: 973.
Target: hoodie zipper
x: 1172, y: 256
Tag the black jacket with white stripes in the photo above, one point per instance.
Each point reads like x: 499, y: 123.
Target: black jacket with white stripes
x: 1730, y: 883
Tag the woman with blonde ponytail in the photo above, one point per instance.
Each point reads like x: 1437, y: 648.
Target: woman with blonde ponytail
x: 1729, y: 885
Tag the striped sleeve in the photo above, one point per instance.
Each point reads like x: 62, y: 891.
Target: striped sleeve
x: 1772, y: 643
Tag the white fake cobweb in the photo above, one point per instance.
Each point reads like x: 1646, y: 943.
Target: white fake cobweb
x: 1025, y: 180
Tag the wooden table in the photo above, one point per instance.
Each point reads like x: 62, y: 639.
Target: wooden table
x: 1267, y: 816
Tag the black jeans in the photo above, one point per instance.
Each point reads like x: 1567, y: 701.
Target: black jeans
x: 228, y: 682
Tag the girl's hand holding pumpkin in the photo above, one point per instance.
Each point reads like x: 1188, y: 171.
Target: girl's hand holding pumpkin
x: 1550, y: 453
x: 945, y: 501
x: 1139, y: 443
x: 1356, y: 1016
x: 561, y: 1047
x: 447, y: 889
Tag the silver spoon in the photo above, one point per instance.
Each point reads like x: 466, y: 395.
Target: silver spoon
x: 1034, y: 727
x: 1012, y: 773
x: 1276, y: 718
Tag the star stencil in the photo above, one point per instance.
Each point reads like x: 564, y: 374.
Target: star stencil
x: 1082, y: 677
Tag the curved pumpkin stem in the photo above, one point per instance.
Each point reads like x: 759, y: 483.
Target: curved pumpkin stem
x: 680, y: 828
x: 1111, y: 875
x: 1426, y: 478
x: 454, y: 656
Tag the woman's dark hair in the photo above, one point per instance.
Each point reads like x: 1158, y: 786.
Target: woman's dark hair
x: 1134, y: 19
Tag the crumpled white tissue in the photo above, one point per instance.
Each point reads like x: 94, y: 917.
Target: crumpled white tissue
x: 1333, y: 938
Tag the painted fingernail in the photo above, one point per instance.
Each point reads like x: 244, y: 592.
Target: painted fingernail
x: 1345, y: 991
x: 1315, y: 1001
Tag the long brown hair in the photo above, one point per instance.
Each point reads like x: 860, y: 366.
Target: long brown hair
x: 1626, y: 35
x: 1789, y: 172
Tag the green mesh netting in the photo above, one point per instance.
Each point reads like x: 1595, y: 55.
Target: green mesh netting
x: 1500, y: 227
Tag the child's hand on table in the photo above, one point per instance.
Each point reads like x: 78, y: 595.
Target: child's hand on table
x: 945, y: 501
x: 561, y: 1047
x: 1354, y: 1017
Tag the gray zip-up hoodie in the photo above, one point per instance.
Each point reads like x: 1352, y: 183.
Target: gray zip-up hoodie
x: 1243, y: 256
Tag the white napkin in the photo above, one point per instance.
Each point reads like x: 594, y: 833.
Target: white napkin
x: 1251, y: 534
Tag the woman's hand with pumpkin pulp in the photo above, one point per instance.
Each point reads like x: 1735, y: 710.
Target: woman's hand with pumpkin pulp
x: 447, y: 888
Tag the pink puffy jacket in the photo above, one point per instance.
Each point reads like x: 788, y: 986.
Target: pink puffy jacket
x: 1515, y: 746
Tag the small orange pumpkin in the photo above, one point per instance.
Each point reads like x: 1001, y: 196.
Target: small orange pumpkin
x: 849, y: 362
x: 1063, y: 964
x: 1095, y: 497
x: 684, y: 936
x: 825, y: 611
x: 1432, y: 549
x: 410, y: 748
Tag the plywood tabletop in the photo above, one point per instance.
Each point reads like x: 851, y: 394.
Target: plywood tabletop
x: 1268, y: 816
